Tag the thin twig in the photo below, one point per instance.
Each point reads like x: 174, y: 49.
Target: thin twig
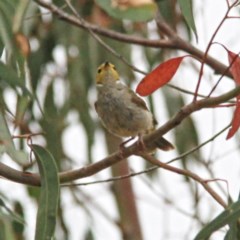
x: 133, y: 174
x: 186, y: 173
x: 68, y: 176
x: 227, y: 69
x: 172, y: 43
x: 207, y: 50
x: 199, y: 146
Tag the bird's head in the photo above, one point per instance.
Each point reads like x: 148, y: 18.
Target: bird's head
x: 106, y: 73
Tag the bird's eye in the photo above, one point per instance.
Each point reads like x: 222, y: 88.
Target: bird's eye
x: 99, y: 70
x: 114, y: 68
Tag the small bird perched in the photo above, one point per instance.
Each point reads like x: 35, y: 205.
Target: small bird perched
x: 121, y: 111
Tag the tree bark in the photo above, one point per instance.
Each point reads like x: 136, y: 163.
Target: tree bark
x: 124, y: 195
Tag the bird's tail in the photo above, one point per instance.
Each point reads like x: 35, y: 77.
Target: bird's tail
x: 164, y: 144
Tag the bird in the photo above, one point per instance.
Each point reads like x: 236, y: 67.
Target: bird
x: 121, y: 111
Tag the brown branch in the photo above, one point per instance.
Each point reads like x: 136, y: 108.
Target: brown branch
x: 207, y: 50
x: 187, y: 110
x: 173, y: 42
x: 102, y: 31
x: 133, y: 174
x: 187, y: 173
x: 67, y: 176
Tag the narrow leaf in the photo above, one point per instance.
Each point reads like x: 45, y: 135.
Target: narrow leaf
x: 235, y: 122
x: 6, y: 229
x: 9, y: 77
x: 159, y: 76
x: 7, y: 144
x: 228, y: 216
x: 186, y: 135
x: 6, y: 35
x: 13, y: 216
x: 234, y: 61
x: 186, y: 8
x: 48, y: 203
x: 22, y: 104
x: 137, y: 12
x: 233, y: 232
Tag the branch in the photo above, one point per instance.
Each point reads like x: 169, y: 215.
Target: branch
x: 173, y: 42
x: 102, y: 31
x: 187, y: 173
x: 67, y: 176
x: 208, y: 48
x: 150, y: 169
x: 187, y: 110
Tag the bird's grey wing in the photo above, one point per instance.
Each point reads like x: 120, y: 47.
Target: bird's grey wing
x: 141, y: 103
x: 138, y: 101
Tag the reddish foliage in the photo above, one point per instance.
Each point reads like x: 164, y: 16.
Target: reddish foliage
x: 234, y: 62
x: 236, y: 121
x: 159, y: 76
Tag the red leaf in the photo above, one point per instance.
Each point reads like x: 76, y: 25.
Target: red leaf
x: 159, y: 76
x: 234, y: 61
x: 234, y: 66
x: 236, y: 120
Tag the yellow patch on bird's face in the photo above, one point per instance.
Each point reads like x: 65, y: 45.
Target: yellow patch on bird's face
x: 106, y: 73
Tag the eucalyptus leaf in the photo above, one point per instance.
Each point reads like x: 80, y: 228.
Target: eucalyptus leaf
x: 233, y: 233
x: 6, y: 35
x: 186, y: 7
x: 6, y: 230
x: 6, y: 141
x: 12, y: 215
x: 228, y: 216
x: 22, y: 104
x: 140, y: 13
x: 9, y: 77
x: 49, y: 196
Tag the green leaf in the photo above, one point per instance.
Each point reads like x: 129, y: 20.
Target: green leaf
x: 20, y: 14
x: 6, y: 30
x: 186, y: 8
x: 186, y: 135
x: 7, y: 143
x: 228, y: 216
x: 22, y: 104
x: 142, y: 13
x: 8, y: 77
x: 89, y: 235
x: 18, y: 226
x: 166, y: 10
x: 48, y: 202
x: 233, y: 233
x: 6, y: 230
x: 12, y: 215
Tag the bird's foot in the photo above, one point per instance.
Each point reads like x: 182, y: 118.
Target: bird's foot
x: 141, y: 144
x: 122, y: 146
